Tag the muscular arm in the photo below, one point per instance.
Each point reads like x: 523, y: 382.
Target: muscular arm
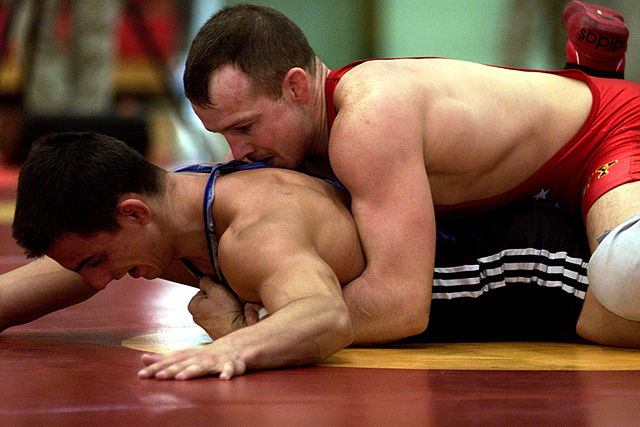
x: 39, y: 288
x: 308, y: 322
x: 376, y: 152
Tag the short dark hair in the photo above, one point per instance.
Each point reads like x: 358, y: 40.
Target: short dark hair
x: 262, y: 42
x: 72, y: 182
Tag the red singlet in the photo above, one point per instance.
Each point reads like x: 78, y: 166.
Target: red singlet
x: 604, y: 154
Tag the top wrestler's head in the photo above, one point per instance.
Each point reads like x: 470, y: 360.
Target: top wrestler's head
x: 250, y: 75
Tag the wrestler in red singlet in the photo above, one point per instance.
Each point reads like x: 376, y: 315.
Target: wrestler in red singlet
x: 604, y: 154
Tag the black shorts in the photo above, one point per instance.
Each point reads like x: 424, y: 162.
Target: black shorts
x: 514, y: 273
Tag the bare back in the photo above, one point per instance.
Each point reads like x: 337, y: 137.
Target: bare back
x: 313, y: 211
x: 483, y: 129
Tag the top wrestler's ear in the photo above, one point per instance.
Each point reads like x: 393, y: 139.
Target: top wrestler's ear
x: 135, y: 209
x: 296, y: 85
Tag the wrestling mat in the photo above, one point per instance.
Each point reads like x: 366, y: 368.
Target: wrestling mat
x: 458, y: 356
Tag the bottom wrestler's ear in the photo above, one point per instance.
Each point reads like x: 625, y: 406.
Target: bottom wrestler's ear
x: 135, y: 209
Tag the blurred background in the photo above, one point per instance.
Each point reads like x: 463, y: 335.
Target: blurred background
x: 115, y: 66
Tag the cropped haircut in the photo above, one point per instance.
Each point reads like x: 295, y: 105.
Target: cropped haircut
x: 262, y: 42
x: 71, y: 182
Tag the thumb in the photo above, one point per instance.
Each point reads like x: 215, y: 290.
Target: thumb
x: 206, y: 283
x: 214, y: 289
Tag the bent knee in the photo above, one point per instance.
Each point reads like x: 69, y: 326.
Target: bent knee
x: 599, y: 325
x: 614, y: 270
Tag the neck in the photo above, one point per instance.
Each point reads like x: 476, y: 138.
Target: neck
x: 320, y: 142
x: 183, y: 215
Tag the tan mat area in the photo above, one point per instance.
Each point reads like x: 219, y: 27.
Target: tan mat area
x: 491, y: 355
x: 6, y: 212
x: 455, y: 356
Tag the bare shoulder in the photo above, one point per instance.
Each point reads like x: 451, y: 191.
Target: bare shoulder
x: 278, y: 212
x: 275, y: 190
x: 407, y: 72
x: 378, y: 76
x: 382, y: 108
x: 280, y: 196
x: 400, y: 95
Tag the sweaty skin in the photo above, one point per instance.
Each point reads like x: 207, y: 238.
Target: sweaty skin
x: 276, y: 248
x: 408, y: 134
x: 460, y: 140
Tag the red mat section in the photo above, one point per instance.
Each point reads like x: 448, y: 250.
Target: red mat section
x: 8, y: 176
x: 70, y: 368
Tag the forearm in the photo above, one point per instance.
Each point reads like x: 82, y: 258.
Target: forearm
x: 38, y: 288
x: 381, y: 313
x: 304, y: 331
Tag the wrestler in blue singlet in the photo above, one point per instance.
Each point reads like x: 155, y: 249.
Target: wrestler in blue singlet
x: 493, y: 278
x: 214, y: 172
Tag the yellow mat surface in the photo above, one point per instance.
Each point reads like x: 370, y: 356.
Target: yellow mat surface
x: 6, y: 211
x: 455, y: 356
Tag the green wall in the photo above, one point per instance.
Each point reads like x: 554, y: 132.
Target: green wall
x: 335, y: 28
x: 344, y: 30
x: 458, y: 29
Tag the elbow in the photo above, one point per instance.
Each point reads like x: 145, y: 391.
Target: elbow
x: 412, y: 315
x: 415, y: 321
x: 345, y: 328
x: 340, y: 334
x: 407, y: 310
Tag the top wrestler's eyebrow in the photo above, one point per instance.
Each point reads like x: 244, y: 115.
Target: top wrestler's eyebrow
x: 237, y: 123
